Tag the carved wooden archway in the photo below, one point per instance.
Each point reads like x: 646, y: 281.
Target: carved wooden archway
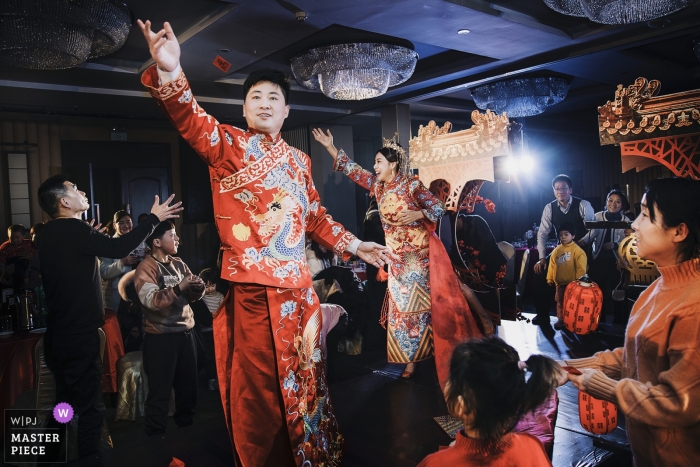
x: 680, y: 154
x: 451, y: 163
x: 653, y: 129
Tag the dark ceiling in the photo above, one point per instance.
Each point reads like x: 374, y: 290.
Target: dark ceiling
x: 508, y: 38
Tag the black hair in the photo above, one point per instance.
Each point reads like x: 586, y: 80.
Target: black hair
x: 159, y: 231
x: 14, y: 228
x: 209, y: 275
x: 562, y: 178
x: 623, y: 198
x: 485, y: 373
x: 267, y: 74
x: 50, y: 193
x: 320, y: 254
x: 119, y: 214
x: 567, y: 226
x: 36, y: 228
x: 678, y: 202
x: 391, y: 155
x: 142, y: 218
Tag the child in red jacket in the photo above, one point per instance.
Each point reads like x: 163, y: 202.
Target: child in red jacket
x: 488, y: 392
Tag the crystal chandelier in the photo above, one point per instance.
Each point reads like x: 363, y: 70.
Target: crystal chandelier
x: 618, y: 11
x: 354, y: 71
x: 521, y: 97
x: 57, y: 34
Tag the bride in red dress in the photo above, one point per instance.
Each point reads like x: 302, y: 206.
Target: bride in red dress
x: 417, y: 305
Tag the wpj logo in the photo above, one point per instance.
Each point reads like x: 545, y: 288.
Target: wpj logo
x: 37, y: 435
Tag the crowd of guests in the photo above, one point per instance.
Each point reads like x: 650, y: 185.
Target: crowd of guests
x: 157, y: 296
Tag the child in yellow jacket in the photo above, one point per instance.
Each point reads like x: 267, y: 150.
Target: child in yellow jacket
x: 566, y: 264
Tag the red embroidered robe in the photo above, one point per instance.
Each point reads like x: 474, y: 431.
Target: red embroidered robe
x: 265, y: 204
x: 424, y: 315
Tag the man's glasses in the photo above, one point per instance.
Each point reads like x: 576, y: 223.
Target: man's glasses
x: 563, y: 188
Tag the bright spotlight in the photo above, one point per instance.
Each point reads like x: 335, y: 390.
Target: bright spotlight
x: 511, y: 165
x: 527, y: 163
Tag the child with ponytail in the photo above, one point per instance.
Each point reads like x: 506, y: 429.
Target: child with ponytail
x: 488, y: 391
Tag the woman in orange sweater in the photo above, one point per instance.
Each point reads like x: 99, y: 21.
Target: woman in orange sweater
x: 655, y: 378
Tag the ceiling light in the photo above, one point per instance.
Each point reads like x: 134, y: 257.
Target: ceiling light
x: 223, y: 51
x: 567, y: 7
x: 57, y: 34
x: 521, y: 97
x: 618, y: 11
x: 354, y: 71
x: 463, y: 31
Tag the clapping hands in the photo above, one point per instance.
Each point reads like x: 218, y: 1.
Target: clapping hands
x: 193, y: 283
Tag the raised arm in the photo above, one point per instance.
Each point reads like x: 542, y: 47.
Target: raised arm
x: 163, y: 45
x: 98, y: 244
x: 167, y: 83
x: 343, y: 163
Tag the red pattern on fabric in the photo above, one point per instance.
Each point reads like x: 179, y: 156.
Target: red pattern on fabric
x: 453, y: 321
x: 256, y: 349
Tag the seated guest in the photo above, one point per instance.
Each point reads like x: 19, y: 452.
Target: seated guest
x: 165, y: 287
x: 204, y: 311
x: 111, y: 270
x: 604, y: 242
x: 488, y: 391
x: 129, y: 314
x: 319, y: 258
x: 655, y: 378
x: 14, y: 253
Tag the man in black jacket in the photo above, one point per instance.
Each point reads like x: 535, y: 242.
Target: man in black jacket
x: 68, y: 251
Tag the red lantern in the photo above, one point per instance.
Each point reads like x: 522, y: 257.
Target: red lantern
x: 596, y: 416
x: 583, y: 301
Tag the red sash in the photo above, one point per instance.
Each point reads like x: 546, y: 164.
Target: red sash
x: 453, y: 322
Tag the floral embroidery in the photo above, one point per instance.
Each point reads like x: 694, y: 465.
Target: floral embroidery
x: 246, y: 196
x: 186, y: 97
x: 288, y: 308
x: 229, y: 140
x: 290, y: 382
x: 336, y: 230
x: 214, y: 138
x: 253, y: 254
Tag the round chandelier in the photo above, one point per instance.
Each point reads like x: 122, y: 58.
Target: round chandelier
x: 57, y: 34
x: 521, y: 97
x: 354, y: 71
x: 618, y: 11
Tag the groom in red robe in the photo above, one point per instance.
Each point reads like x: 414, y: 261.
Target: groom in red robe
x: 267, y: 332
